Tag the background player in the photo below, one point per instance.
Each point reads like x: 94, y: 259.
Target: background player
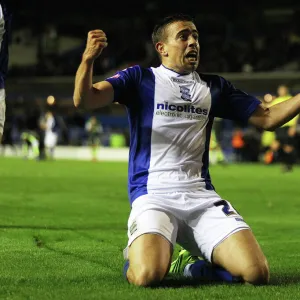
x: 286, y: 134
x: 94, y: 131
x: 51, y: 134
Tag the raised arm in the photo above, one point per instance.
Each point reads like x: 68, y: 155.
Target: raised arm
x: 86, y: 94
x: 275, y: 116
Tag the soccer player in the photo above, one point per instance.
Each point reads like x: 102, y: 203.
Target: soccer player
x: 94, y: 130
x: 30, y: 144
x: 171, y: 109
x: 51, y: 134
x: 286, y: 134
x: 41, y: 131
x: 5, y: 20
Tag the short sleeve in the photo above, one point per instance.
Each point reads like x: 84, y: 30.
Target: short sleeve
x: 231, y: 103
x: 124, y: 83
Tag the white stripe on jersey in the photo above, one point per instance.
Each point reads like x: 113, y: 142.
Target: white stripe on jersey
x: 170, y: 119
x: 181, y: 113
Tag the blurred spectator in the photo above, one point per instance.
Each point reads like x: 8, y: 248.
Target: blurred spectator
x: 42, y: 126
x: 30, y: 145
x: 94, y: 131
x: 117, y: 139
x: 286, y: 134
x: 51, y: 133
x: 238, y: 144
x: 252, y: 144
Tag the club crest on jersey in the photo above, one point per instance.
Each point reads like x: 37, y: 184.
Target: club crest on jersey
x: 185, y: 93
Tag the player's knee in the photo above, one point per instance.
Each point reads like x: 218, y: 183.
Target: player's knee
x: 257, y: 274
x: 145, y: 276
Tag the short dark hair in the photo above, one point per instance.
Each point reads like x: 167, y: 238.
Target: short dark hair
x: 284, y: 84
x: 159, y: 29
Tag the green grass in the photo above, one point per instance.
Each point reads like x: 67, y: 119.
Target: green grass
x: 63, y: 229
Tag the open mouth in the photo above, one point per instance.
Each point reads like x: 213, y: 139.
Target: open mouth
x: 193, y: 55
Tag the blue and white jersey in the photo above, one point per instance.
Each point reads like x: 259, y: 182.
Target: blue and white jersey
x: 5, y: 23
x: 170, y: 117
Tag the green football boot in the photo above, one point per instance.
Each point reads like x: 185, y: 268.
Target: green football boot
x: 184, y: 258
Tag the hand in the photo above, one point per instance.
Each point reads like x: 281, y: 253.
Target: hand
x: 292, y: 131
x: 96, y: 42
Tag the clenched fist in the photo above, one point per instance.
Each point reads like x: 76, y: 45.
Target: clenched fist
x: 96, y: 42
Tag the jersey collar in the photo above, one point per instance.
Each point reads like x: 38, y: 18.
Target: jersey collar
x: 175, y: 74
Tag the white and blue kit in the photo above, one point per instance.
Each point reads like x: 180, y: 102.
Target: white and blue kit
x: 5, y: 23
x: 51, y: 134
x: 170, y: 189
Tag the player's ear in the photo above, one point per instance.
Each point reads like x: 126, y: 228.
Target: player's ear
x: 161, y: 49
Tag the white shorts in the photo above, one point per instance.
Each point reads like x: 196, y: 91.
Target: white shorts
x: 50, y: 139
x: 198, y: 221
x: 2, y: 110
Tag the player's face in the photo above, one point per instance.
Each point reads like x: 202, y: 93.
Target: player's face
x: 182, y: 49
x: 282, y: 91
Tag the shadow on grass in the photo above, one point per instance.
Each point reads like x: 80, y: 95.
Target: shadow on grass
x: 181, y: 282
x: 77, y: 230
x: 276, y: 280
x: 173, y: 281
x: 102, y: 240
x: 102, y: 263
x: 285, y: 279
x: 41, y: 243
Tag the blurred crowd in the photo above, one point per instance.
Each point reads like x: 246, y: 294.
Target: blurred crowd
x: 34, y: 131
x: 255, y: 36
x: 258, y: 36
x: 249, y: 144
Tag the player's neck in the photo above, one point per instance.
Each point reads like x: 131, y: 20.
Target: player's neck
x: 175, y: 69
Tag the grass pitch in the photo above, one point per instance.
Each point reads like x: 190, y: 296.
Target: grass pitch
x: 63, y: 229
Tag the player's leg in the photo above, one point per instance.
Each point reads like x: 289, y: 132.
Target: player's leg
x: 199, y: 269
x: 52, y: 145
x: 24, y: 144
x: 91, y: 144
x: 241, y: 255
x: 289, y: 157
x: 229, y: 243
x: 222, y: 237
x: 191, y: 261
x: 152, y: 234
x: 149, y: 259
x: 94, y: 149
x: 289, y: 149
x: 41, y: 145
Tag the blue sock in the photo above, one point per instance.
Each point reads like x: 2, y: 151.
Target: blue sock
x: 125, y: 268
x: 203, y: 270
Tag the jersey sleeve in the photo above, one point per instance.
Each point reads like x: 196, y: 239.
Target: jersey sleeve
x: 124, y: 84
x: 233, y: 103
